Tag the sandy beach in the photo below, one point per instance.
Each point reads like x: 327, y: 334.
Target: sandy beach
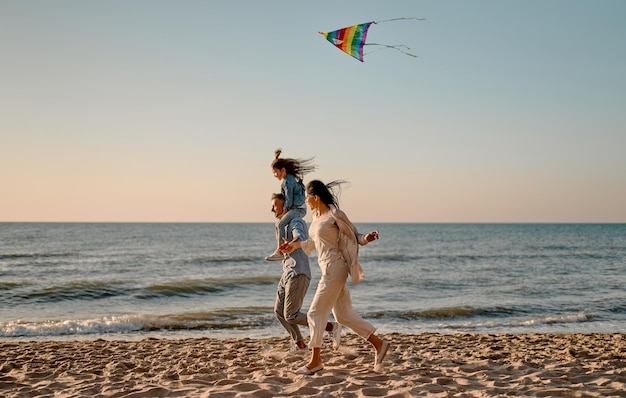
x: 460, y: 365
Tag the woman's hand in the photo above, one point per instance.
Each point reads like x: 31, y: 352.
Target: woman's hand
x: 288, y: 247
x: 372, y: 236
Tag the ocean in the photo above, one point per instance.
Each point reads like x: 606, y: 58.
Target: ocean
x: 130, y: 281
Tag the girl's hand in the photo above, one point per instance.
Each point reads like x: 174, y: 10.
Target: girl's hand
x: 372, y: 236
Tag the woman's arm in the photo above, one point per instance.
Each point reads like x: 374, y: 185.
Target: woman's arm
x: 360, y: 238
x: 306, y: 245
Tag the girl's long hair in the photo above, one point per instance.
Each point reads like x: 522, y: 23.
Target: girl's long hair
x: 295, y: 167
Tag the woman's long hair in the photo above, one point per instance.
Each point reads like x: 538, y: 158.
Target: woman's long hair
x: 328, y: 193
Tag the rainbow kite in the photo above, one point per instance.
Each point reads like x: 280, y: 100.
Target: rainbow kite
x: 352, y: 39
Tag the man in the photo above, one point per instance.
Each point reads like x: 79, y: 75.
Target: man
x: 294, y: 283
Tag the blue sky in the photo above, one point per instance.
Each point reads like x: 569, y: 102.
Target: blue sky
x: 514, y: 111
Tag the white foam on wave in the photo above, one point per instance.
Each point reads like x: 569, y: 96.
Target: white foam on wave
x: 113, y: 324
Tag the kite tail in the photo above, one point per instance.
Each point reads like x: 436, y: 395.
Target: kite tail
x: 398, y: 47
x: 401, y: 19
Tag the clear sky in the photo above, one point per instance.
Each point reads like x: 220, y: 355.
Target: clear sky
x: 118, y: 110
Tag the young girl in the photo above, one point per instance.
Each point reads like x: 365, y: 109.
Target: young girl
x: 290, y: 172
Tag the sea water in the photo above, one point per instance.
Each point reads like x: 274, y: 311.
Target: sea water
x: 131, y: 281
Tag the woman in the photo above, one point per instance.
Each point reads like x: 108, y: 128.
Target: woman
x: 337, y: 242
